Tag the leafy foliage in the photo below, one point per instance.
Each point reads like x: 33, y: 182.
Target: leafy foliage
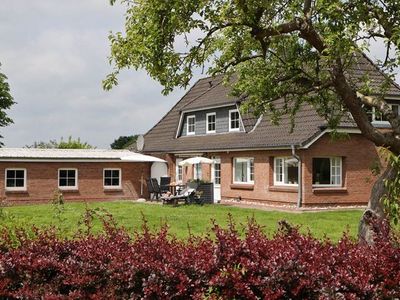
x: 71, y: 143
x: 391, y: 199
x: 149, y: 265
x: 6, y: 101
x: 124, y: 142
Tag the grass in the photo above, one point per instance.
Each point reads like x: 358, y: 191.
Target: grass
x: 331, y: 224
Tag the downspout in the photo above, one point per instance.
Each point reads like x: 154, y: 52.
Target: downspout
x: 300, y: 179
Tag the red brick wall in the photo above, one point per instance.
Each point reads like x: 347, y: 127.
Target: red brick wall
x: 358, y: 156
x: 42, y: 181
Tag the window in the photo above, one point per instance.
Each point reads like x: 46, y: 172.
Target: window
x: 286, y: 171
x: 191, y: 125
x: 211, y: 122
x: 112, y: 178
x: 217, y: 171
x: 197, y: 171
x: 376, y: 116
x: 15, y: 179
x: 327, y: 171
x: 68, y: 178
x: 243, y: 170
x: 234, y: 120
x: 178, y: 171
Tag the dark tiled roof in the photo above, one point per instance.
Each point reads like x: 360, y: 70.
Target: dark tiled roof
x: 260, y: 133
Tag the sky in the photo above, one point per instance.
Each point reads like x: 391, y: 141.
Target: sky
x: 55, y: 55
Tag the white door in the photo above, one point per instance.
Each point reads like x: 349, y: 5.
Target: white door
x: 216, y: 178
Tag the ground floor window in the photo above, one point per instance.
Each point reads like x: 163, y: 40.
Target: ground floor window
x: 197, y: 172
x: 243, y: 170
x: 15, y: 179
x: 67, y: 178
x: 286, y: 171
x: 327, y: 171
x: 112, y: 178
x: 178, y: 171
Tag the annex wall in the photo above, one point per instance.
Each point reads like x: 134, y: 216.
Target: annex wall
x: 42, y: 181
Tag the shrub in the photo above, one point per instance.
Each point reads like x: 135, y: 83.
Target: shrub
x: 156, y: 265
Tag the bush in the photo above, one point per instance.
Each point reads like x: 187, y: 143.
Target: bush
x: 117, y: 265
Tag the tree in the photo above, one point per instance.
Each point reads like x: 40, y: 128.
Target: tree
x: 6, y: 101
x: 124, y: 142
x: 300, y: 51
x: 71, y: 143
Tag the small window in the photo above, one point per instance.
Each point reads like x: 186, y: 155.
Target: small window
x: 376, y: 116
x: 211, y: 123
x: 68, y: 178
x: 178, y: 170
x: 327, y: 171
x: 197, y: 171
x: 217, y: 173
x: 191, y: 125
x: 286, y: 171
x: 234, y: 120
x: 243, y: 170
x: 15, y: 179
x: 112, y: 178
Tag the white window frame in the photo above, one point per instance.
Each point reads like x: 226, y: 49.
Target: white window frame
x: 215, y: 122
x: 195, y: 172
x: 284, y: 174
x: 230, y: 119
x: 380, y: 122
x: 177, y: 167
x: 248, y: 170
x: 330, y: 162
x: 110, y: 187
x: 17, y: 188
x: 187, y: 125
x: 74, y: 187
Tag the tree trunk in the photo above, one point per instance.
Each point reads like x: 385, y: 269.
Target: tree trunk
x: 374, y: 213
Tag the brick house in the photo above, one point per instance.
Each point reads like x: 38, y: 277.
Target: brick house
x: 260, y: 162
x: 33, y: 175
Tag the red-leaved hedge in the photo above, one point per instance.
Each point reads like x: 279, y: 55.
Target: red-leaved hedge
x: 116, y: 265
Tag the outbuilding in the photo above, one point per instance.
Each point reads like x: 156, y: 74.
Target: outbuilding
x: 34, y: 175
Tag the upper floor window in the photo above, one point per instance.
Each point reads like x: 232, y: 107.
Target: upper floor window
x: 243, y: 170
x: 16, y: 179
x: 327, y: 171
x: 112, y: 178
x: 376, y: 116
x: 234, y: 120
x: 68, y: 178
x: 191, y: 124
x: 211, y: 122
x: 286, y: 171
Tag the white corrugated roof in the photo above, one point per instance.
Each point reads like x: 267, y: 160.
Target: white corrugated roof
x: 74, y: 154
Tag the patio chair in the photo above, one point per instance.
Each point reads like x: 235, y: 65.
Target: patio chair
x: 150, y: 188
x: 156, y: 188
x: 188, y: 195
x: 164, y: 184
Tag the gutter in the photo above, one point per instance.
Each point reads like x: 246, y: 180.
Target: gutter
x: 299, y: 175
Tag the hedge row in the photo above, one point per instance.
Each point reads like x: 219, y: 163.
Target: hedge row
x: 118, y: 265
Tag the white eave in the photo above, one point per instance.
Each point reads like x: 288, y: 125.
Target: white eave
x: 73, y: 155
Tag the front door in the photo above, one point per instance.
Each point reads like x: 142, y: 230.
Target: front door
x: 216, y: 178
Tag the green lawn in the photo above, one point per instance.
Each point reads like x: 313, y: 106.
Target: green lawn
x: 128, y: 214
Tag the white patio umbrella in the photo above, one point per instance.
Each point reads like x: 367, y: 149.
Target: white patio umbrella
x: 195, y: 160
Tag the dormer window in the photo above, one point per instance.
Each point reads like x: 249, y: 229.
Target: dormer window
x: 211, y: 122
x: 191, y: 124
x: 234, y: 120
x: 376, y: 116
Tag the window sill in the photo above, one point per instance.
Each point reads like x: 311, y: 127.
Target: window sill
x: 68, y: 190
x: 112, y: 189
x: 25, y: 191
x: 329, y: 190
x: 287, y: 189
x: 242, y: 186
